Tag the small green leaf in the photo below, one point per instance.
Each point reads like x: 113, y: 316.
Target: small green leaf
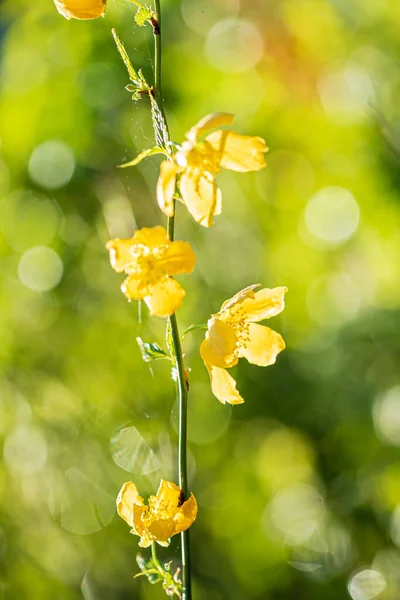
x: 151, y: 351
x: 144, y: 14
x: 157, y: 572
x: 143, y: 155
x: 143, y: 563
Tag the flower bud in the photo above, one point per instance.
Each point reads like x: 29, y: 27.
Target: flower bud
x: 81, y: 9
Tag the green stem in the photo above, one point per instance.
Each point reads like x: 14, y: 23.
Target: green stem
x: 193, y: 328
x: 182, y: 449
x: 154, y: 556
x: 157, y: 54
x: 175, y: 338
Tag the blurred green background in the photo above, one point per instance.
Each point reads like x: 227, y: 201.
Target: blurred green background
x: 299, y: 488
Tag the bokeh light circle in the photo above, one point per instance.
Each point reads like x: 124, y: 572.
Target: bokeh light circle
x: 387, y: 416
x: 366, y: 584
x: 234, y: 46
x: 395, y: 526
x: 296, y: 511
x: 28, y: 219
x: 40, y: 268
x: 345, y: 95
x: 51, y: 164
x: 332, y: 215
x: 25, y: 450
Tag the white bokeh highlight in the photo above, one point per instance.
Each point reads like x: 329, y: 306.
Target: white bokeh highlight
x: 386, y: 415
x: 25, y: 450
x: 297, y: 512
x: 51, y: 164
x: 332, y: 215
x: 40, y: 269
x: 366, y: 584
x: 234, y: 46
x: 346, y: 95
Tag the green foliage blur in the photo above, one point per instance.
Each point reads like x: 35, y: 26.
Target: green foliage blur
x: 298, y: 488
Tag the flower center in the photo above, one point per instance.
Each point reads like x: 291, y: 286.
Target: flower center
x: 146, y: 264
x: 204, y: 158
x: 236, y: 317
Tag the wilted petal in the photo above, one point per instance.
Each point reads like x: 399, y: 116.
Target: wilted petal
x: 265, y: 304
x: 218, y: 347
x: 209, y: 122
x: 81, y: 9
x: 166, y: 187
x: 134, y: 288
x: 127, y: 498
x: 152, y: 237
x: 120, y: 253
x: 178, y: 258
x: 202, y: 197
x: 187, y: 515
x: 224, y: 386
x: 263, y: 345
x: 240, y: 153
x: 165, y: 297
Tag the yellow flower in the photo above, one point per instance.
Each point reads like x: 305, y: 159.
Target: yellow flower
x: 197, y: 163
x: 165, y: 515
x: 81, y: 9
x: 233, y: 333
x: 149, y: 259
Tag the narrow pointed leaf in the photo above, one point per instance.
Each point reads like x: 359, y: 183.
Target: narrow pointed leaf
x: 141, y: 156
x: 133, y: 76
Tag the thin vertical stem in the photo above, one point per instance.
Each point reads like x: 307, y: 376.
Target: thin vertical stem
x: 157, y: 54
x: 154, y: 554
x: 182, y: 386
x: 182, y: 450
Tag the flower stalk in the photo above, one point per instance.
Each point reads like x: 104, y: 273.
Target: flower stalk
x: 151, y: 259
x: 173, y: 329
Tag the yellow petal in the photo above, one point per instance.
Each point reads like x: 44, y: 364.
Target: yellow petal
x: 219, y: 346
x: 265, y: 304
x: 209, y: 122
x: 168, y: 498
x: 202, y: 197
x: 160, y: 529
x: 81, y: 9
x: 224, y: 386
x: 138, y: 516
x: 263, y: 345
x: 187, y: 515
x: 152, y: 237
x: 134, y: 288
x: 127, y: 498
x: 166, y: 187
x: 165, y: 297
x: 145, y: 541
x: 238, y: 152
x: 120, y: 253
x: 247, y: 292
x: 164, y: 543
x: 178, y: 258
